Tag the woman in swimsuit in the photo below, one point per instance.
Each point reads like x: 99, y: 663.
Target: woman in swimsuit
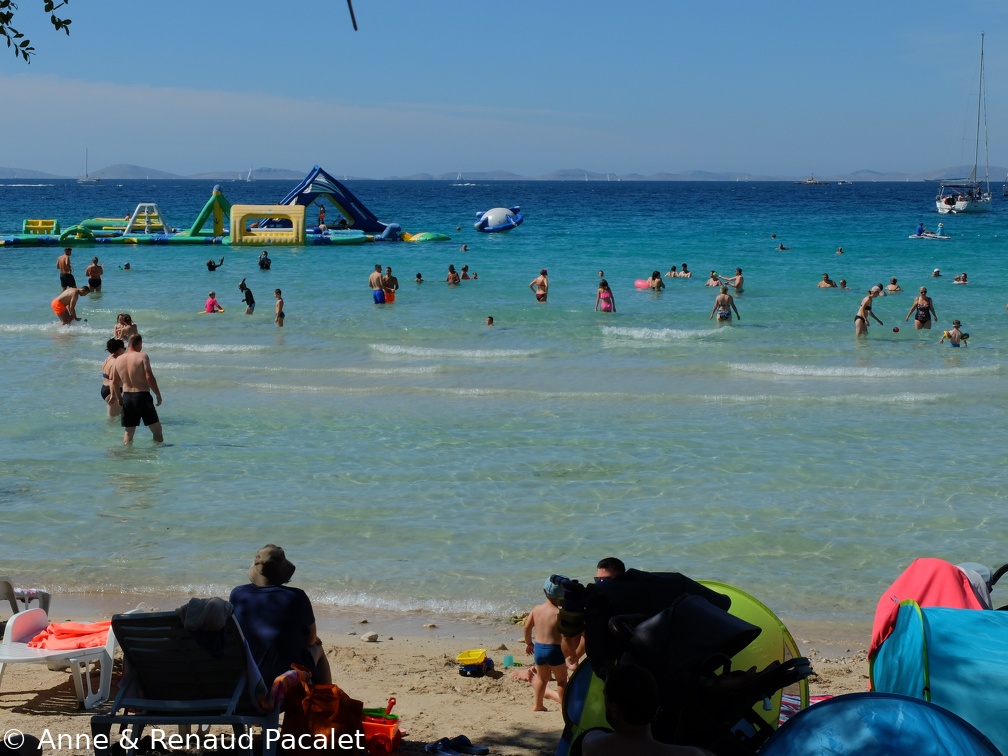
x: 124, y: 328
x: 94, y: 273
x: 724, y: 303
x: 655, y: 281
x: 604, y: 298
x: 924, y: 308
x: 115, y: 347
x: 861, y: 319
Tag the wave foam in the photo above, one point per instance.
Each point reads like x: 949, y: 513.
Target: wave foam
x: 461, y: 354
x: 817, y: 371
x: 656, y: 334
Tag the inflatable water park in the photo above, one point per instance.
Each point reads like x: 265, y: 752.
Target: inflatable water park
x: 498, y: 219
x: 220, y: 222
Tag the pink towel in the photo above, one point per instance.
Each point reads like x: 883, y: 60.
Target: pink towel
x: 65, y: 636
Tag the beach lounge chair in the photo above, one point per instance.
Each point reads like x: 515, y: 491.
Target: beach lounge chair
x: 24, y: 626
x: 13, y: 595
x: 177, y: 677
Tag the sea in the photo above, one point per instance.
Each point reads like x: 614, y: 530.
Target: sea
x: 414, y: 461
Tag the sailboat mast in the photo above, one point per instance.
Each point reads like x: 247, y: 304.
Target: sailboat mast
x: 983, y: 91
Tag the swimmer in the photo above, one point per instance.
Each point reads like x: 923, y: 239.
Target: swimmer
x: 839, y: 250
x: 419, y: 277
x: 655, y: 281
x: 212, y: 266
x: 377, y: 287
x: 843, y: 284
x: 489, y: 320
x: 212, y: 305
x: 67, y: 280
x: 827, y: 282
x: 465, y: 273
x: 684, y: 272
x: 936, y: 273
x: 960, y: 279
x: 956, y: 337
x: 735, y: 281
x: 714, y: 279
x: 893, y: 287
x: 782, y: 248
x: 264, y: 261
x: 464, y: 248
x: 672, y: 273
x: 453, y: 277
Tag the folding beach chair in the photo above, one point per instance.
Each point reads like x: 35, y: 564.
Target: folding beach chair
x: 177, y: 677
x: 14, y: 649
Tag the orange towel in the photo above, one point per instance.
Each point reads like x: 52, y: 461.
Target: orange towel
x: 65, y: 636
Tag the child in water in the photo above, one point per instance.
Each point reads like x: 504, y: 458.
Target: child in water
x: 956, y: 337
x: 212, y: 305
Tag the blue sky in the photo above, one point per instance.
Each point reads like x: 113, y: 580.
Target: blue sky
x: 783, y: 88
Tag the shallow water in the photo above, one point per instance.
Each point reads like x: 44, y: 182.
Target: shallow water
x: 409, y: 457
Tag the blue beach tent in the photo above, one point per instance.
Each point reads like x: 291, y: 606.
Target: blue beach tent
x: 877, y: 724
x: 319, y: 185
x: 955, y: 658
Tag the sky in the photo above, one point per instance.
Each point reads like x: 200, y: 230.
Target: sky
x: 785, y: 88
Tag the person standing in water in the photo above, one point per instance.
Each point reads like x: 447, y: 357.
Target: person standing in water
x: 604, y: 299
x: 134, y: 381
x: 94, y: 273
x: 377, y: 287
x: 67, y: 280
x: 248, y: 298
x: 734, y: 281
x: 864, y: 310
x: 925, y: 311
x: 540, y: 285
x: 723, y: 306
x: 279, y: 319
x: 65, y: 305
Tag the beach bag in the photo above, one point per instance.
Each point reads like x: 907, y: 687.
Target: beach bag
x: 955, y: 658
x: 321, y: 709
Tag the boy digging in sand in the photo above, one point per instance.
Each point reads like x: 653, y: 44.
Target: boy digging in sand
x: 546, y: 652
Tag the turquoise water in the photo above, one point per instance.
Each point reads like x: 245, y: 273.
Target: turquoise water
x: 408, y: 457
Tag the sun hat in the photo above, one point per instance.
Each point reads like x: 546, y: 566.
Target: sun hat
x: 553, y: 590
x: 936, y: 270
x: 956, y: 323
x: 876, y: 289
x: 270, y: 567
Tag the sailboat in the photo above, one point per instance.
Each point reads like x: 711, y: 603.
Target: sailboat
x: 970, y: 195
x: 87, y: 179
x: 249, y: 177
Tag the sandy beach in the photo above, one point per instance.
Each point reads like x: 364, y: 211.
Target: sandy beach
x: 414, y: 661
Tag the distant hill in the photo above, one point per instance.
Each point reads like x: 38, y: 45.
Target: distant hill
x: 24, y: 173
x: 122, y: 171
x: 258, y: 174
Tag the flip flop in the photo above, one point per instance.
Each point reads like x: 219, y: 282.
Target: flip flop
x: 441, y: 747
x: 462, y: 744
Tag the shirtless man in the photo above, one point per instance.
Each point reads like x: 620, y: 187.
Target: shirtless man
x: 65, y: 305
x: 684, y: 272
x: 723, y: 306
x: 377, y: 288
x: 540, y: 285
x: 67, y: 280
x: 279, y: 317
x: 735, y: 281
x: 390, y: 282
x: 864, y: 310
x: 94, y: 272
x: 827, y: 282
x: 134, y: 380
